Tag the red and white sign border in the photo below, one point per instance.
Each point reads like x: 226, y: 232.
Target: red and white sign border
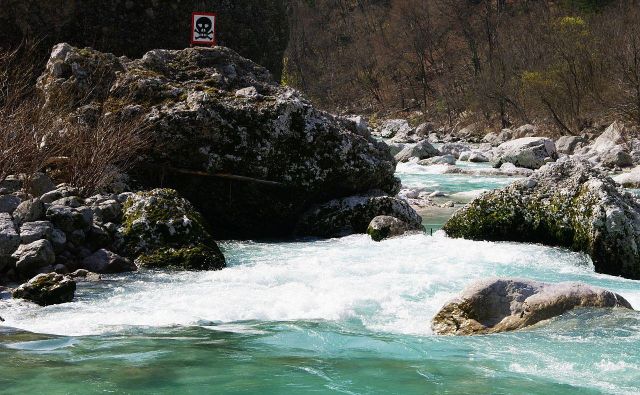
x: 193, y: 28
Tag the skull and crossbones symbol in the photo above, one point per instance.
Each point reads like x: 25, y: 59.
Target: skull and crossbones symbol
x: 203, y: 28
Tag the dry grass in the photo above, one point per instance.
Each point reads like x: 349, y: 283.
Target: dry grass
x: 87, y: 155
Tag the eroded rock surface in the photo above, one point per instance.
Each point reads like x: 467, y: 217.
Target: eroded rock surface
x: 505, y: 304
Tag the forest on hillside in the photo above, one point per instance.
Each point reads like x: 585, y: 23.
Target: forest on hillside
x: 569, y: 64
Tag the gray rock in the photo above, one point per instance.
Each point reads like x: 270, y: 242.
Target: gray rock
x: 424, y: 129
x: 69, y: 201
x: 289, y: 153
x: 524, y: 131
x: 58, y: 240
x: 385, y: 226
x: 454, y: 149
x: 395, y: 148
x: 85, y: 275
x: 29, y: 211
x: 107, y: 211
x: 421, y: 150
x: 69, y: 219
x: 505, y: 304
x: 568, y: 144
x: 32, y: 231
x: 478, y: 157
x: 528, y: 152
x: 40, y: 184
x: 391, y: 127
x: 616, y: 157
x: 9, y: 239
x: 249, y: 92
x: 105, y: 261
x: 30, y: 257
x: 572, y: 205
x: 9, y: 203
x: 439, y: 160
x: 342, y: 217
x: 47, y: 289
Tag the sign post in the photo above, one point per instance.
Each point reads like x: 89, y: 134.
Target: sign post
x: 203, y: 28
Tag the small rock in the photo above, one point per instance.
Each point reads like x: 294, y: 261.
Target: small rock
x: 32, y: 231
x: 47, y: 289
x: 29, y: 211
x: 69, y: 219
x: 9, y: 239
x: 385, y: 226
x: 421, y: 150
x: 9, y: 203
x: 40, y: 184
x: 85, y: 275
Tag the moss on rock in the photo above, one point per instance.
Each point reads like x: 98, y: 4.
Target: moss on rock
x: 162, y: 229
x: 566, y: 204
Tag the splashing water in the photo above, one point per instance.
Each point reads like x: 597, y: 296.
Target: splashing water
x: 336, y: 316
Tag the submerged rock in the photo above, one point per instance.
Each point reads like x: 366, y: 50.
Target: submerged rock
x: 385, y: 226
x: 250, y: 164
x: 47, y: 289
x: 342, y: 217
x: 569, y: 204
x: 160, y: 227
x: 528, y: 152
x: 505, y: 304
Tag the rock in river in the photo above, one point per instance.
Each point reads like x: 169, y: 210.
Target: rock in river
x: 47, y: 289
x: 385, y: 226
x: 505, y: 304
x: 568, y: 204
x: 529, y: 152
x: 342, y: 217
x: 162, y: 229
x: 250, y: 164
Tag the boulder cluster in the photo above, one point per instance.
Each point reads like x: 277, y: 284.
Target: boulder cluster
x: 58, y: 236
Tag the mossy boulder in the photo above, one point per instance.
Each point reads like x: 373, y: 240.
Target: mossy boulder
x: 568, y: 204
x: 162, y: 229
x: 251, y: 163
x: 47, y: 289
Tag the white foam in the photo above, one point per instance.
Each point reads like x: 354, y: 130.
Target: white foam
x: 393, y: 286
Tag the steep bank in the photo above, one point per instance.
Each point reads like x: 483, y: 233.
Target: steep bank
x: 250, y: 154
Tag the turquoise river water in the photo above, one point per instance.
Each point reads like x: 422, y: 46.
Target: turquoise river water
x: 340, y: 316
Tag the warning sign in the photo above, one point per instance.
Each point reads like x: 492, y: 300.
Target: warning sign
x: 203, y: 28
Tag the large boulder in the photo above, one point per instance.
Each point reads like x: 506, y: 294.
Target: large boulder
x: 528, y: 152
x: 251, y: 164
x: 612, y: 148
x: 162, y: 229
x: 47, y: 289
x: 131, y: 28
x: 567, y: 203
x: 385, y: 226
x: 342, y: 217
x: 505, y: 304
x: 421, y: 150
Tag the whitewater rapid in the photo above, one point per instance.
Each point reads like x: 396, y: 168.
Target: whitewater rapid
x: 395, y: 286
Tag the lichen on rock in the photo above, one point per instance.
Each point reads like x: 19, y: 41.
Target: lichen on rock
x: 568, y: 204
x: 160, y: 228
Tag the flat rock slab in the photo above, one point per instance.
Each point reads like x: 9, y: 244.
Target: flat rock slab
x: 505, y: 304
